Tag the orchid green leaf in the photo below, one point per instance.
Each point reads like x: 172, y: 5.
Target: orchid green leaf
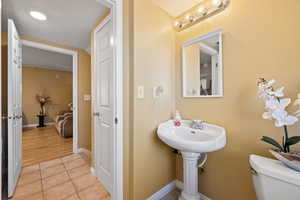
x: 272, y: 142
x: 293, y: 140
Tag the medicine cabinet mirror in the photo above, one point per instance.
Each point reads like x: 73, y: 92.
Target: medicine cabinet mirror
x: 202, y: 66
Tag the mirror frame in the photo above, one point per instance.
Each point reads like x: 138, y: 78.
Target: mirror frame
x: 218, y: 33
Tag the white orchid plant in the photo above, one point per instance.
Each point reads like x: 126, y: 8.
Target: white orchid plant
x: 275, y: 105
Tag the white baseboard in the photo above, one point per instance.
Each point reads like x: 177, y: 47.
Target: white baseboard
x: 35, y: 125
x: 163, y: 192
x: 179, y: 185
x: 83, y: 150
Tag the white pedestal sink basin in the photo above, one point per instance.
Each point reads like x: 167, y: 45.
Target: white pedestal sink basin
x: 191, y: 143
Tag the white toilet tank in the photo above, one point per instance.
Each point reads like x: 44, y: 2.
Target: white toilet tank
x: 273, y: 180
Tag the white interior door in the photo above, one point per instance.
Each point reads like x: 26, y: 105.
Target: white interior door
x: 104, y: 106
x: 14, y: 107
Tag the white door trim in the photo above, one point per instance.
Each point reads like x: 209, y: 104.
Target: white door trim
x: 75, y: 81
x: 116, y: 14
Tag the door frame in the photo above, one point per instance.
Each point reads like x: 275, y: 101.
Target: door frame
x: 3, y: 189
x: 116, y: 16
x: 74, y: 55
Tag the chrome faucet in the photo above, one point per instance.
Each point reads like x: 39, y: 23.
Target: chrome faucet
x: 197, y: 124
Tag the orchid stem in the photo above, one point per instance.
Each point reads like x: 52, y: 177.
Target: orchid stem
x: 286, y: 147
x: 286, y: 137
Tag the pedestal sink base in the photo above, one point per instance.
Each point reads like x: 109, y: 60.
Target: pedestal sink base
x: 189, y: 197
x: 190, y: 175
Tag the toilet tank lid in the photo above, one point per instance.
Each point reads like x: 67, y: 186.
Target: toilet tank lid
x: 275, y: 169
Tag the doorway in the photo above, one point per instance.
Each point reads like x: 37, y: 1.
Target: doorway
x: 74, y: 56
x: 48, y: 103
x: 116, y: 169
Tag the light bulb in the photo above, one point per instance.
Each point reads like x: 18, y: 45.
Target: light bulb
x: 187, y: 17
x: 202, y: 10
x: 216, y: 2
x: 177, y: 24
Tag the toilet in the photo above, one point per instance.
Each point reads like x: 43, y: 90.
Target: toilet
x: 274, y: 181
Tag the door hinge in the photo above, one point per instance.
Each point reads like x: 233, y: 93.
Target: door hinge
x: 116, y: 120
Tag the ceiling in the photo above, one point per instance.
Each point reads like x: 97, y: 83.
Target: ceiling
x: 176, y: 7
x: 34, y: 57
x: 69, y: 21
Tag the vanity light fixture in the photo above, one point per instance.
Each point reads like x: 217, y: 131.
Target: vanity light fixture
x: 38, y: 15
x: 200, y: 13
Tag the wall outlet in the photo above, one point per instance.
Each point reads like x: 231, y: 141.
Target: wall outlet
x: 140, y: 92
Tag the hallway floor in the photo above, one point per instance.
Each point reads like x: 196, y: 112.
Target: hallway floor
x: 66, y: 178
x: 42, y: 144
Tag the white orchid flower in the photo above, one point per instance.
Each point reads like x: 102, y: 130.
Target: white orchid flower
x: 262, y: 94
x: 275, y: 104
x: 265, y: 94
x: 267, y: 115
x: 278, y: 92
x: 282, y: 118
x: 267, y: 84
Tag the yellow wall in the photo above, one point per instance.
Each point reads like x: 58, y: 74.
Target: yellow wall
x: 53, y: 83
x: 84, y: 87
x: 153, y: 164
x: 128, y: 99
x: 261, y: 39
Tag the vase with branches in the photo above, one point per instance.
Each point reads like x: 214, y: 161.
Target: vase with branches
x: 43, y: 100
x: 275, y: 105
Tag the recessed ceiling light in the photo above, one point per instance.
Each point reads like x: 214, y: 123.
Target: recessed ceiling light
x: 38, y: 15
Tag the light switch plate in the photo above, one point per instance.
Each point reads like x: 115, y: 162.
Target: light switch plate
x: 140, y: 92
x: 86, y: 97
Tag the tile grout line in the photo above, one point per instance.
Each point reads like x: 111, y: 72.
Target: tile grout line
x: 71, y: 180
x: 66, y: 171
x: 41, y: 178
x: 44, y: 191
x: 20, y: 186
x: 61, y: 161
x: 90, y: 164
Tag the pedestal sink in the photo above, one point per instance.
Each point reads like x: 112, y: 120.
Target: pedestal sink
x: 191, y: 143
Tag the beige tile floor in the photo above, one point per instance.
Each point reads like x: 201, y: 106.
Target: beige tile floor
x: 66, y: 178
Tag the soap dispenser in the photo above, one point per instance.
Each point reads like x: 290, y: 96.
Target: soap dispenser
x: 177, y: 120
